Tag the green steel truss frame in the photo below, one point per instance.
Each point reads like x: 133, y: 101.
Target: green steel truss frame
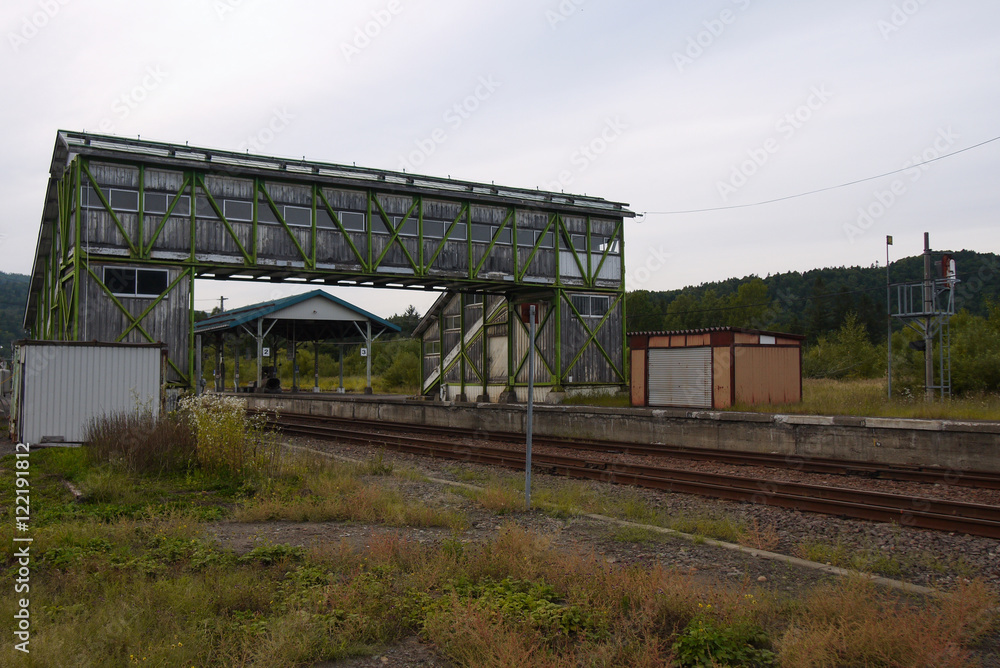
x: 65, y: 263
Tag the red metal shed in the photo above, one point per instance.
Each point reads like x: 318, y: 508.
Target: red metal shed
x: 717, y: 367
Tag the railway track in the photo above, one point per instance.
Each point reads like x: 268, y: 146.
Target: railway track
x: 973, y: 519
x: 899, y: 472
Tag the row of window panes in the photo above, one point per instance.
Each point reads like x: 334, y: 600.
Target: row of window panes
x: 353, y: 221
x: 452, y: 322
x: 235, y: 210
x: 592, y: 306
x: 432, y: 348
x: 598, y: 244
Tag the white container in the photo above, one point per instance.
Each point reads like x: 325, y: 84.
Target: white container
x: 61, y: 386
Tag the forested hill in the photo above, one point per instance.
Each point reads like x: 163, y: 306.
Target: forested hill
x: 13, y: 297
x: 812, y: 303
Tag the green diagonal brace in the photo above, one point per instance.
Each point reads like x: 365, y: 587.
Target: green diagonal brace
x: 541, y: 326
x: 534, y: 250
x: 149, y: 309
x: 281, y: 219
x: 121, y: 228
x: 343, y: 230
x: 617, y: 232
x: 394, y: 239
x: 222, y: 217
x: 170, y: 210
x: 569, y: 244
x: 447, y: 235
x: 129, y: 315
x: 489, y: 249
x: 592, y: 336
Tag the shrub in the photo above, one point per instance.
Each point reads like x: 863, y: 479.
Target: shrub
x: 140, y: 442
x: 847, y: 354
x: 706, y: 642
x: 228, y: 439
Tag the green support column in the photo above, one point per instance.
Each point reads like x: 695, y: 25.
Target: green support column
x: 193, y: 381
x: 511, y: 379
x: 558, y: 337
x: 77, y: 260
x: 626, y: 361
x: 253, y: 230
x: 140, y: 236
x: 312, y: 254
x: 461, y: 343
x: 441, y: 348
x: 485, y: 361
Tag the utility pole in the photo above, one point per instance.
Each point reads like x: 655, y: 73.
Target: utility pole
x: 928, y: 318
x: 222, y: 304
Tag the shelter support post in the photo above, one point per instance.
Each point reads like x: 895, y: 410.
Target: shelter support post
x: 340, y: 357
x: 316, y: 366
x: 260, y: 351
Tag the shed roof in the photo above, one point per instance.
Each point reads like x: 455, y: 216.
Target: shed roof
x: 710, y: 330
x: 329, y: 316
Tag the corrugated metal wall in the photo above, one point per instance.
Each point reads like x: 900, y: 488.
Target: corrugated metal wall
x: 680, y: 377
x: 66, y: 385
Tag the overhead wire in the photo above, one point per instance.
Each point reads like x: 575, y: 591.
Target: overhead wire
x: 820, y: 190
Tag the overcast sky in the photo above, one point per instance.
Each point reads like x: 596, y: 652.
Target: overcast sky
x: 668, y: 106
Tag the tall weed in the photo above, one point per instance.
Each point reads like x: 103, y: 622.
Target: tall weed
x: 228, y: 439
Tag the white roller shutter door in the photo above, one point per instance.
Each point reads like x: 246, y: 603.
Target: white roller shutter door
x: 680, y: 377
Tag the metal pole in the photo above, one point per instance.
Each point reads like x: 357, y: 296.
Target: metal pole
x: 888, y: 315
x: 531, y: 403
x: 368, y: 358
x: 928, y: 318
x: 236, y: 365
x: 197, y: 365
x: 340, y: 347
x: 222, y: 362
x: 295, y: 362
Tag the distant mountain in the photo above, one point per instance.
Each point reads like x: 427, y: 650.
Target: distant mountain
x: 812, y: 303
x: 13, y: 297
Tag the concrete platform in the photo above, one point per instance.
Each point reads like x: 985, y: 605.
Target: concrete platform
x: 950, y: 444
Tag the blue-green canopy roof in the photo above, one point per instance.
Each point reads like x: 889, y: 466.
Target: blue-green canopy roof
x: 306, y: 328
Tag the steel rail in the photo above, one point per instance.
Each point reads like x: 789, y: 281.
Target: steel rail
x: 806, y: 464
x: 973, y: 519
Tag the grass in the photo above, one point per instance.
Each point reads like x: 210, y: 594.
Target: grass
x: 612, y: 400
x: 317, y: 489
x: 868, y: 397
x: 865, y: 397
x: 878, y: 561
x: 127, y: 576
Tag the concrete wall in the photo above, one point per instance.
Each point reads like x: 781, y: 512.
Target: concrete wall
x: 943, y: 443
